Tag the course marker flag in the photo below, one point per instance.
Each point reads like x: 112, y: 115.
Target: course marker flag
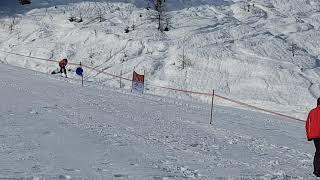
x: 137, y: 82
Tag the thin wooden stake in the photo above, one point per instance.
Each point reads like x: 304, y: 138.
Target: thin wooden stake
x: 81, y: 75
x: 120, y: 78
x: 132, y: 79
x: 211, y: 117
x: 82, y: 79
x: 144, y: 79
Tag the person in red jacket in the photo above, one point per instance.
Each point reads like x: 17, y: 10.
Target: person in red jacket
x: 62, y: 64
x: 313, y: 133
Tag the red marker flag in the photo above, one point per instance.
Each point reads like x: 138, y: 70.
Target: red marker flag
x: 137, y: 82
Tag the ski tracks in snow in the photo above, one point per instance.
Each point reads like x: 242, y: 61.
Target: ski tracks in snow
x: 180, y: 138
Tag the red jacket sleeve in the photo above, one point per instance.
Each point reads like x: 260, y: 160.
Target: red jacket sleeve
x: 308, y: 127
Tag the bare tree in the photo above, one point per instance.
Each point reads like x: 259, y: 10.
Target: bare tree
x: 160, y: 15
x: 167, y: 21
x: 293, y: 48
x: 184, y: 60
x: 12, y: 23
x: 99, y: 8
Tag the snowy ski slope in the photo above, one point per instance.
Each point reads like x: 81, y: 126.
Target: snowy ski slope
x: 52, y: 128
x: 244, y: 55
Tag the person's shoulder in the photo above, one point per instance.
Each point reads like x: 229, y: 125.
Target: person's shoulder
x: 315, y: 110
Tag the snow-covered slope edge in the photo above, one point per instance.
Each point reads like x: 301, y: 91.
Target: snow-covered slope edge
x: 50, y: 128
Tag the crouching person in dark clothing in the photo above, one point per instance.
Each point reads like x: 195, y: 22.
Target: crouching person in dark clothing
x: 62, y: 64
x: 313, y: 133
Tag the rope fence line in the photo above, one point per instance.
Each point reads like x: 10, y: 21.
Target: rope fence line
x: 168, y: 88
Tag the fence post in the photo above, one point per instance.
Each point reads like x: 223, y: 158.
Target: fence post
x: 211, y: 116
x: 144, y: 80
x: 132, y: 78
x: 120, y: 79
x: 82, y: 80
x: 81, y: 75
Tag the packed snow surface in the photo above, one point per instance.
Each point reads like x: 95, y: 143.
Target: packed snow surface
x: 53, y: 128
